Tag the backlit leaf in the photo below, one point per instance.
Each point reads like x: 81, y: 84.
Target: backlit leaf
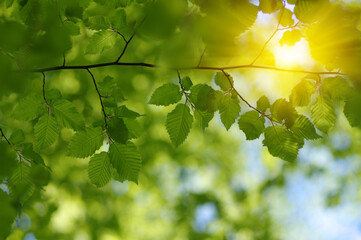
x: 251, y: 124
x: 179, y: 123
x: 166, y: 95
x: 100, y: 169
x: 84, y: 143
x: 323, y: 114
x: 46, y: 132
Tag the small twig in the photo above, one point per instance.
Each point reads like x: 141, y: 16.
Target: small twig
x: 45, y: 100
x: 3, y: 136
x: 245, y: 101
x: 63, y: 59
x: 125, y: 47
x: 100, y: 99
x: 200, y: 60
x: 186, y: 95
x: 125, y: 40
x: 270, y: 38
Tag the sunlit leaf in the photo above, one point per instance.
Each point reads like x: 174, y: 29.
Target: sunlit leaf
x: 302, y: 92
x: 100, y: 169
x: 46, y: 132
x: 323, y: 114
x: 166, y: 95
x: 179, y: 123
x: 125, y: 158
x: 84, y: 143
x: 251, y: 124
x: 229, y: 110
x: 29, y: 108
x: 66, y: 114
x: 304, y: 128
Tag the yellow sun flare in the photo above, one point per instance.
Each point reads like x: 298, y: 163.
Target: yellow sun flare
x: 293, y: 56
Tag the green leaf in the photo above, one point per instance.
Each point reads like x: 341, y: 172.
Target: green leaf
x: 263, y: 104
x: 222, y: 81
x: 124, y: 112
x: 187, y: 83
x: 28, y: 153
x: 281, y: 143
x: 100, y: 169
x: 46, y: 132
x: 134, y: 128
x: 29, y: 108
x: 17, y: 137
x: 310, y: 10
x: 304, y: 128
x: 283, y: 111
x: 229, y: 110
x: 66, y: 114
x: 302, y: 92
x: 125, y: 158
x: 166, y: 95
x: 270, y: 6
x: 286, y: 20
x: 117, y: 130
x: 203, y: 97
x: 100, y: 41
x: 20, y: 185
x: 251, y: 124
x: 118, y: 19
x: 8, y: 160
x: 7, y: 214
x: 98, y: 22
x: 291, y: 37
x: 323, y: 114
x: 39, y: 175
x: 352, y: 110
x: 84, y: 143
x: 336, y: 88
x: 179, y: 123
x: 203, y: 118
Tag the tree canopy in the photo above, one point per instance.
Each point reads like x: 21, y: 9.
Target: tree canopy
x: 133, y: 119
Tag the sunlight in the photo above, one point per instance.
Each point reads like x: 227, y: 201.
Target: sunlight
x: 293, y: 56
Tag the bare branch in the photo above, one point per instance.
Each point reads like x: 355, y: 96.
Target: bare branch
x: 125, y: 47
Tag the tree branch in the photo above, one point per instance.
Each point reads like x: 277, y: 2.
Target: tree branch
x: 45, y: 100
x: 245, y: 101
x: 126, y: 45
x: 100, y: 99
x: 149, y: 65
x: 270, y: 38
x: 186, y: 95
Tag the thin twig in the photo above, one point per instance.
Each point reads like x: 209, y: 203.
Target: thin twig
x: 45, y: 100
x: 63, y: 59
x: 125, y: 47
x: 244, y: 100
x: 100, y: 99
x: 3, y: 136
x: 201, y: 58
x: 270, y: 38
x: 186, y: 95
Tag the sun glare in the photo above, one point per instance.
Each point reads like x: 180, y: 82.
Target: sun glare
x: 293, y: 56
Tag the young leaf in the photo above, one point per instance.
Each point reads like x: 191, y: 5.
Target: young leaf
x: 17, y: 137
x: 46, y: 131
x: 8, y: 160
x: 84, y: 143
x: 20, y: 184
x: 323, y: 114
x: 187, y: 83
x: 117, y: 130
x: 222, y: 81
x: 204, y: 97
x: 291, y: 37
x: 66, y: 114
x: 352, y: 110
x: 100, y: 169
x: 263, y: 104
x: 124, y: 112
x: 251, y: 124
x: 100, y: 41
x: 229, y: 110
x: 166, y: 95
x: 336, y: 88
x: 125, y: 158
x: 285, y: 17
x: 203, y: 118
x: 179, y: 123
x: 29, y: 108
x: 301, y: 93
x: 284, y: 111
x: 281, y: 143
x: 304, y: 128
